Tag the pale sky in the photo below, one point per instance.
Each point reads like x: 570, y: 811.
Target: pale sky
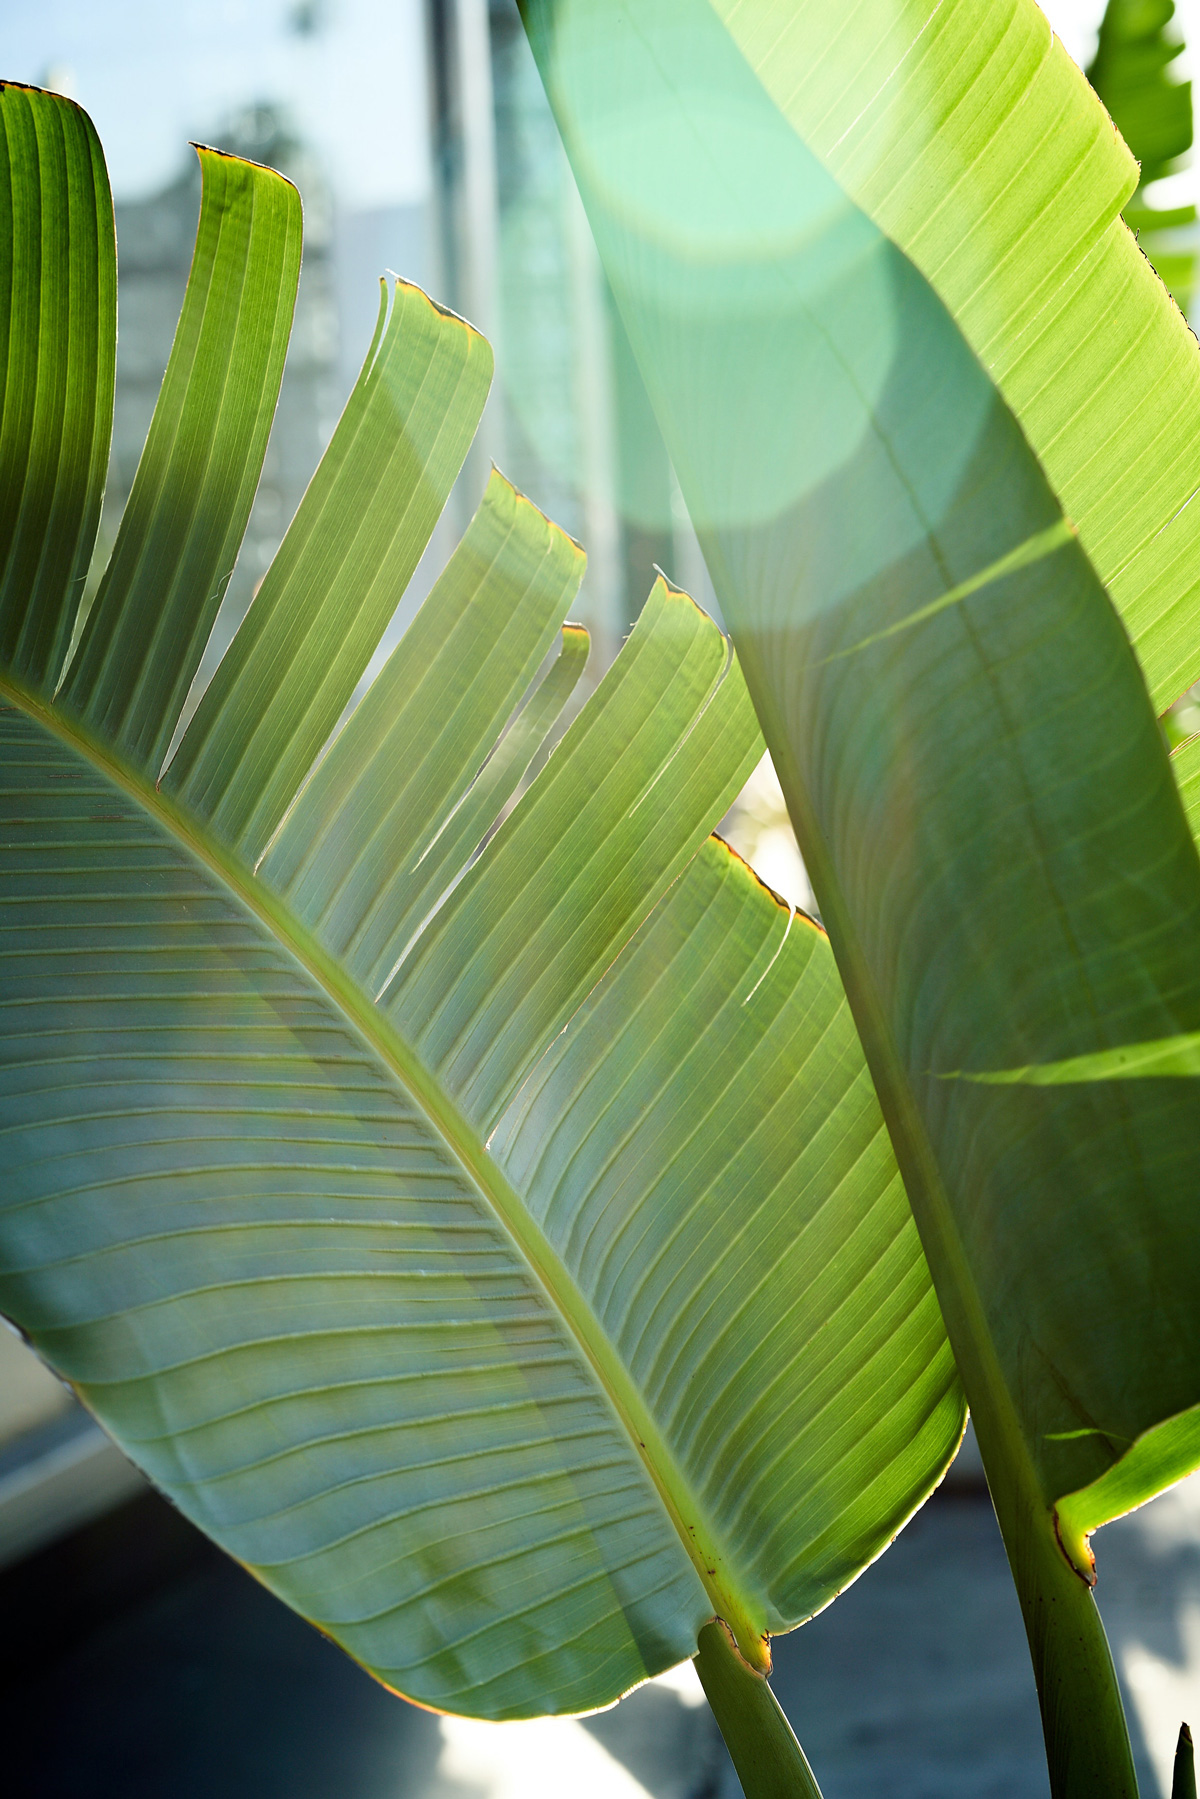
x: 155, y: 73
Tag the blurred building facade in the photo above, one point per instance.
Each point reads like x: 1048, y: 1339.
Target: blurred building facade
x: 570, y: 422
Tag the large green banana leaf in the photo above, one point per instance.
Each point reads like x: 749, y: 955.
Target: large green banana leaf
x: 965, y: 131
x: 970, y: 757
x: 500, y: 1252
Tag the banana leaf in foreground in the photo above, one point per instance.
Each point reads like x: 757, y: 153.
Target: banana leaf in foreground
x: 967, y: 134
x: 977, y: 779
x: 499, y: 1251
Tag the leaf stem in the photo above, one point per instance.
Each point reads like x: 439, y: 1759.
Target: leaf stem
x: 1087, y: 1740
x: 1083, y: 1721
x: 769, y: 1761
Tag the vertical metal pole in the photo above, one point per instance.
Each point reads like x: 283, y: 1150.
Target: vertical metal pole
x: 602, y: 589
x: 480, y: 210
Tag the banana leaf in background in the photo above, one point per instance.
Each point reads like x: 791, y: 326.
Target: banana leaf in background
x: 1153, y: 112
x: 497, y: 1249
x: 972, y: 762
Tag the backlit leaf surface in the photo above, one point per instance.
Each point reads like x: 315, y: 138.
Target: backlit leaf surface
x: 966, y: 132
x: 979, y: 786
x: 500, y: 1251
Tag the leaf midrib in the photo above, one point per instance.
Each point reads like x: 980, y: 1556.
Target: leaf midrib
x: 957, y: 1288
x: 728, y: 1592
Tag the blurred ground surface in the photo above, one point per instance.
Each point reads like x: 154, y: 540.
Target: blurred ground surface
x: 139, y: 1664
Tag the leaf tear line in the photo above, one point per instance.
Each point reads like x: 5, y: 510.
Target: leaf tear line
x: 1034, y: 549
